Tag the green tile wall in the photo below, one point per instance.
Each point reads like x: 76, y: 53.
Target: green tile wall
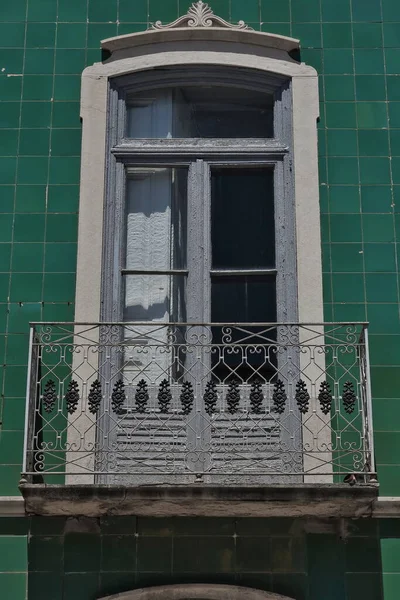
x: 85, y: 559
x: 44, y: 45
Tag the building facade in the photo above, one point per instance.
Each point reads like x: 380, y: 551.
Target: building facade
x: 182, y: 139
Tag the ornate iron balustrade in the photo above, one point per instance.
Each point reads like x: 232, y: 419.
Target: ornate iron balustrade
x: 215, y: 403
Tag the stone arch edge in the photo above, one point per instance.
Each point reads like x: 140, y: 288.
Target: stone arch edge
x: 197, y: 592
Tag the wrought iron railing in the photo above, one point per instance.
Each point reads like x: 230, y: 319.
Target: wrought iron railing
x: 178, y: 403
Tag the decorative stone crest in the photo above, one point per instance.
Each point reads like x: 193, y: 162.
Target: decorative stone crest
x: 200, y: 15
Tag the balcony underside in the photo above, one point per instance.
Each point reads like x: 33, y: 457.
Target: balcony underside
x: 283, y: 500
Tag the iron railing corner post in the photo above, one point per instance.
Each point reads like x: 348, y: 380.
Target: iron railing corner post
x: 30, y: 408
x: 369, y: 415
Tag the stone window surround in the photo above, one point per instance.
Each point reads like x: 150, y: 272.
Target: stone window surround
x: 197, y: 592
x: 203, y: 46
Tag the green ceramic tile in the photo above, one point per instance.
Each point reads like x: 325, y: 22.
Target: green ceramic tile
x: 386, y: 412
x: 72, y: 11
x: 63, y: 198
x: 254, y: 554
x: 279, y: 28
x: 342, y: 170
x: 119, y: 553
x: 275, y: 11
x: 6, y: 225
x: 67, y: 87
x: 46, y: 553
x: 370, y: 87
x: 11, y: 60
x: 387, y: 446
x: 71, y: 35
x: 29, y: 228
x: 344, y: 199
x: 14, y: 413
x: 345, y: 228
x: 367, y: 35
x: 396, y: 169
x: 42, y: 10
x: 102, y: 11
x: 248, y: 12
x: 338, y: 61
x: 80, y: 586
x: 339, y: 87
x: 88, y: 559
x: 384, y: 318
x: 10, y: 88
x: 124, y: 28
x: 392, y: 57
x: 133, y: 12
x: 69, y: 61
x: 39, y: 61
x: 9, y: 142
x: 393, y: 87
x: 20, y: 316
x: 40, y: 35
x: 371, y: 115
x: 376, y: 199
x: 342, y: 142
x: 100, y: 31
x: 348, y: 287
x: 167, y: 11
x: 337, y: 11
x: 32, y: 169
x: 12, y: 35
x: 309, y: 34
x: 5, y: 257
x: 394, y: 114
x: 30, y: 198
x: 61, y: 228
x: 385, y: 350
x: 395, y: 142
x: 58, y: 312
x: 381, y: 287
x: 347, y: 258
x: 391, y: 35
x: 304, y: 11
x: 28, y: 257
x: 66, y: 114
x: 337, y: 35
x: 11, y: 445
x: 64, y: 170
x: 391, y: 10
x: 368, y: 60
x: 7, y: 193
x: 349, y: 312
x: 9, y: 114
x: 60, y: 257
x: 13, y: 585
x: 380, y: 257
x: 325, y: 567
x: 366, y: 11
x: 34, y: 142
x: 389, y: 485
x: 36, y: 114
x: 312, y: 57
x: 374, y: 170
x: 8, y: 167
x: 47, y: 586
x: 26, y: 287
x: 340, y: 114
x: 15, y: 11
x: 38, y: 87
x: 66, y: 142
x: 362, y: 555
x: 221, y: 560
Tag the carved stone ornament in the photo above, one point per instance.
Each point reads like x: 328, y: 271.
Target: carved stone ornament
x: 200, y: 15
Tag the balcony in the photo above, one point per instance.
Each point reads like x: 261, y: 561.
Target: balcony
x: 195, y: 419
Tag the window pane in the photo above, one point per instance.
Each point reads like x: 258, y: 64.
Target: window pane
x: 242, y: 226
x: 160, y: 298
x: 243, y: 299
x: 156, y: 219
x: 204, y: 111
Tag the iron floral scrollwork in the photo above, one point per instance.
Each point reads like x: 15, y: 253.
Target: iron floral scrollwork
x: 256, y: 397
x: 49, y: 396
x: 325, y: 397
x: 210, y: 397
x: 279, y: 397
x: 118, y: 397
x: 164, y: 396
x: 141, y: 396
x: 302, y: 396
x: 349, y: 397
x: 187, y: 397
x: 233, y: 396
x: 200, y: 14
x: 95, y: 396
x: 72, y: 397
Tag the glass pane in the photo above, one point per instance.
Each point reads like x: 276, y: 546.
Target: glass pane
x: 243, y: 299
x: 156, y: 219
x: 242, y: 225
x: 203, y: 111
x: 160, y: 298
